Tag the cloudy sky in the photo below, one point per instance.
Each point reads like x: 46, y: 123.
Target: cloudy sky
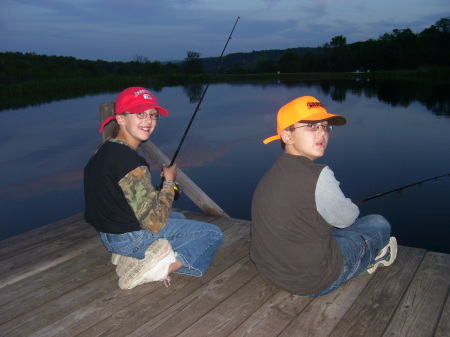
x: 164, y: 30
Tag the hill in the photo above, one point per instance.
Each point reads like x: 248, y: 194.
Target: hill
x: 251, y: 60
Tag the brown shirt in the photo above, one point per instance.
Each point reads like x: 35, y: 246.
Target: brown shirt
x: 292, y: 245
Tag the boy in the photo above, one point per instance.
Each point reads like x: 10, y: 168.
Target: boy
x: 306, y: 236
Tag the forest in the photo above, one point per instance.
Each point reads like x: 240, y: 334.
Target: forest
x: 427, y: 52
x: 399, y: 50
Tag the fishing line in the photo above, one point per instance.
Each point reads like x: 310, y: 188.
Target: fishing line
x: 399, y: 189
x: 198, y: 107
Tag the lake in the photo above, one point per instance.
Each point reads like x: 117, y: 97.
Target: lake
x: 397, y: 133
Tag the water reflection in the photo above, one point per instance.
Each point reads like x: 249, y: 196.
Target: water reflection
x: 392, y: 139
x: 435, y: 96
x: 194, y: 92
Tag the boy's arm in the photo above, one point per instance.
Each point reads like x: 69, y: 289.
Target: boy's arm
x: 331, y: 203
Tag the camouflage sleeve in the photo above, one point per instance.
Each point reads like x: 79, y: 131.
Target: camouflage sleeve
x: 151, y: 207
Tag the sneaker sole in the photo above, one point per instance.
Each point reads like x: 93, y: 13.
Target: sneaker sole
x: 125, y: 263
x: 134, y: 271
x: 393, y: 254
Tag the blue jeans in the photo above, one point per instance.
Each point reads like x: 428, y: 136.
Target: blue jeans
x: 359, y: 245
x: 195, y: 242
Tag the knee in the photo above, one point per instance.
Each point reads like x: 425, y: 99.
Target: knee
x: 219, y: 234
x: 176, y: 215
x: 380, y: 222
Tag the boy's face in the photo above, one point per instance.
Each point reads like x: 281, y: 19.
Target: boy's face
x: 306, y: 139
x: 135, y: 130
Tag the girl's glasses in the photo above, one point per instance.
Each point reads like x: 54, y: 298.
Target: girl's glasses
x: 143, y: 115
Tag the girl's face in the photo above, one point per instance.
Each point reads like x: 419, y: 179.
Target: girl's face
x: 306, y: 139
x: 135, y: 130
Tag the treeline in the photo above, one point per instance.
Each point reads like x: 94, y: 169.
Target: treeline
x: 399, y: 50
x: 16, y: 67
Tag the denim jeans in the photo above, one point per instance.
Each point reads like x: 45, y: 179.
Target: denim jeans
x: 195, y: 242
x: 359, y: 245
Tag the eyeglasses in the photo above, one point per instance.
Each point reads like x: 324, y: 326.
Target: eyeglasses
x: 313, y: 127
x: 143, y: 115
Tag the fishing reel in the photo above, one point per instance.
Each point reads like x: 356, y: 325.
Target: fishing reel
x: 178, y: 190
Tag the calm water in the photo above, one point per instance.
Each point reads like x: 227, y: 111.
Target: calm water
x: 397, y: 134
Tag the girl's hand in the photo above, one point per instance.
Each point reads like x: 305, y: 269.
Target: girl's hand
x: 169, y: 173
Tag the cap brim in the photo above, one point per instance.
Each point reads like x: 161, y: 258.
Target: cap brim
x: 271, y: 139
x: 332, y: 119
x: 145, y: 106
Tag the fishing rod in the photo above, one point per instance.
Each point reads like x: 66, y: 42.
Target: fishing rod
x: 198, y: 107
x: 399, y: 189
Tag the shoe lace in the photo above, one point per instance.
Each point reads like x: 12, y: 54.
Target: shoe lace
x: 166, y: 281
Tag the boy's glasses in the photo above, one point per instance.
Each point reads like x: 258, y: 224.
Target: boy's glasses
x: 313, y: 127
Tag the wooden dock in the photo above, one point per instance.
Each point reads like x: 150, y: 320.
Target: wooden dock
x: 58, y: 280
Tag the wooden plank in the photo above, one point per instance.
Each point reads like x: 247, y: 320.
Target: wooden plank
x: 40, y: 236
x: 273, y: 316
x: 191, y: 308
x: 50, y: 289
x: 198, y: 197
x: 52, y: 283
x: 98, y: 309
x: 223, y: 222
x: 324, y: 313
x: 421, y: 307
x: 377, y: 304
x: 49, y: 312
x: 119, y: 312
x: 79, y: 295
x: 106, y: 109
x: 231, y: 312
x: 25, y: 265
x: 443, y: 327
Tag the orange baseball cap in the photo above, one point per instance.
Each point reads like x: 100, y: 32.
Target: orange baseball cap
x: 303, y: 109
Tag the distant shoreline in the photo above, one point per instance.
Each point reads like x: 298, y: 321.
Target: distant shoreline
x: 14, y: 96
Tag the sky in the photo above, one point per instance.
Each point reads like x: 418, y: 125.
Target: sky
x: 165, y: 30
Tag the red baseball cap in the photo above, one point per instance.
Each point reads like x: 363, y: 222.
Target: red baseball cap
x: 134, y: 100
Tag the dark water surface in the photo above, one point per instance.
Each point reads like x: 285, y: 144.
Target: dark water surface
x: 397, y: 133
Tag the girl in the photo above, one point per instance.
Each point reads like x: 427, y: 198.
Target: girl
x: 134, y: 220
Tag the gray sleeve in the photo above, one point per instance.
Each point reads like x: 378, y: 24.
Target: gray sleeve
x: 332, y: 205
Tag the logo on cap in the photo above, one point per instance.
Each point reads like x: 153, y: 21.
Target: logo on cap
x: 142, y: 91
x: 311, y: 105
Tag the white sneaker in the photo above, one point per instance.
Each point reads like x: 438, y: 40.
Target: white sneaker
x: 385, y: 257
x: 160, y: 272
x: 125, y: 264
x: 132, y: 271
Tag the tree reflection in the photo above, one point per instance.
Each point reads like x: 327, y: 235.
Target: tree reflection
x: 194, y: 92
x: 434, y: 95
